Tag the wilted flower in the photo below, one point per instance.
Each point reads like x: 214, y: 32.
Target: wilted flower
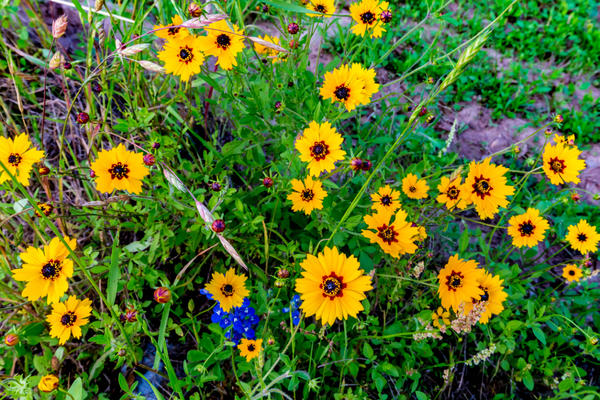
x: 48, y: 383
x: 59, y: 26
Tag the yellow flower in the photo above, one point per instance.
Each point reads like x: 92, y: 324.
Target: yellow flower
x: 394, y: 237
x: 386, y: 200
x: 366, y: 14
x: 320, y: 147
x: 67, y: 318
x: 250, y: 348
x: 562, y: 163
x: 452, y: 193
x: 18, y: 157
x: 422, y: 235
x: 223, y: 42
x: 349, y: 86
x: 182, y: 57
x: 527, y: 229
x: 332, y: 286
x: 569, y: 140
x: 48, y: 383
x: 45, y: 208
x: 493, y: 296
x: 459, y: 283
x: 174, y: 32
x: 486, y: 187
x: 46, y: 270
x: 307, y: 196
x: 325, y: 7
x: 228, y: 289
x: 583, y: 237
x: 414, y: 187
x: 572, y: 273
x: 269, y: 52
x: 440, y: 315
x: 120, y: 169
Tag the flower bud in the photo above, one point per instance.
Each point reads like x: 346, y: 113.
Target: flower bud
x: 96, y: 87
x: 130, y: 315
x: 366, y: 165
x: 575, y: 197
x: 267, y: 182
x: 121, y: 353
x: 218, y: 225
x: 48, y: 383
x: 293, y: 28
x: 67, y: 65
x: 59, y: 26
x: 92, y: 173
x: 265, y: 8
x: 271, y: 341
x: 162, y: 295
x: 548, y: 132
x: 293, y: 44
x: 356, y: 164
x: 156, y: 146
x: 215, y: 186
x: 278, y: 107
x: 43, y: 170
x: 516, y: 149
x: 83, y: 118
x: 194, y: 10
x: 149, y: 159
x: 279, y: 283
x: 558, y: 119
x: 11, y: 339
x: 283, y: 273
x: 386, y: 16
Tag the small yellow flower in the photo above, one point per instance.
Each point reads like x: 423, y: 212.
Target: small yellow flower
x: 392, y: 232
x: 452, y: 193
x: 414, y: 187
x: 440, y: 315
x: 459, y: 283
x: 583, y: 237
x: 18, y: 156
x: 250, y: 348
x: 223, y: 42
x: 572, y: 273
x: 274, y: 55
x: 119, y: 169
x: 562, y: 163
x: 307, y: 196
x: 320, y: 147
x: 350, y: 85
x: 386, y: 200
x: 174, y: 32
x: 48, y: 383
x: 493, y: 296
x: 228, y: 289
x: 366, y: 14
x: 527, y: 229
x: 487, y: 187
x: 182, y: 57
x: 67, y: 318
x: 324, y: 7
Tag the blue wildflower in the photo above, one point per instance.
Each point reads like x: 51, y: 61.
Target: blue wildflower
x: 295, y: 309
x: 238, y: 323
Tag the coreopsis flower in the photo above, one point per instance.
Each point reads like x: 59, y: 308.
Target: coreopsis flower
x: 351, y: 86
x: 228, y: 289
x: 414, y: 188
x: 223, y: 42
x: 332, y: 286
x: 564, y: 140
x: 18, y: 156
x: 273, y: 54
x: 572, y: 273
x: 67, y: 318
x: 250, y: 348
x: 386, y: 200
x: 493, y: 296
x: 442, y: 315
x: 45, y: 208
x: 527, y: 229
x: 119, y: 169
x: 182, y: 57
x: 562, y: 163
x: 174, y: 31
x: 459, y: 283
x: 583, y: 237
x: 325, y: 8
x: 307, y: 196
x: 46, y: 270
x: 48, y: 383
x: 452, y: 193
x: 391, y: 232
x: 320, y: 147
x: 367, y: 14
x: 486, y: 187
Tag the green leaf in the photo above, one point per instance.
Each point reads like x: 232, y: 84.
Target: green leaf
x: 114, y: 274
x: 76, y: 389
x: 421, y: 395
x: 368, y: 351
x: 289, y: 7
x: 463, y: 242
x: 528, y: 380
x: 539, y: 334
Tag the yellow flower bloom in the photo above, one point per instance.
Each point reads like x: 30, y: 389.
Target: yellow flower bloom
x: 324, y: 7
x: 18, y: 158
x: 250, y: 348
x: 493, y: 296
x: 223, y: 42
x: 48, y: 383
x: 182, y: 57
x: 350, y: 86
x: 307, y: 196
x: 459, y: 283
x: 440, y: 315
x: 120, y: 169
x: 583, y: 237
x: 414, y: 187
x: 228, y: 289
x: 274, y: 55
x: 386, y: 200
x: 332, y: 286
x: 366, y: 14
x: 569, y: 140
x: 67, y: 318
x: 527, y: 229
x: 452, y: 193
x: 562, y: 163
x: 320, y: 147
x: 572, y: 273
x: 46, y: 270
x: 393, y: 233
x: 173, y: 32
x: 486, y: 187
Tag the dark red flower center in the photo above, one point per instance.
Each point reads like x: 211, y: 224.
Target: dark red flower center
x: 342, y: 92
x: 307, y: 195
x: 68, y: 319
x: 173, y: 31
x: 186, y: 54
x: 119, y: 171
x: 454, y: 281
x: 223, y: 41
x: 51, y: 270
x: 571, y: 272
x: 332, y: 286
x: 14, y: 159
x: 387, y: 233
x: 319, y: 150
x: 367, y: 18
x: 251, y: 348
x: 582, y: 237
x: 557, y: 166
x: 320, y: 8
x: 227, y: 290
x: 526, y: 228
x: 386, y: 200
x: 482, y: 187
x: 452, y: 193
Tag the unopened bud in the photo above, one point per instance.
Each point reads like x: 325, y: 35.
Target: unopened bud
x: 83, y: 118
x: 156, y: 146
x: 283, y: 273
x: 293, y: 28
x: 386, y: 16
x: 558, y: 119
x: 43, y: 170
x: 11, y: 339
x: 162, y: 295
x: 59, y: 26
x: 194, y: 10
x: 215, y: 186
x: 218, y: 225
x: 149, y: 159
x: 267, y: 182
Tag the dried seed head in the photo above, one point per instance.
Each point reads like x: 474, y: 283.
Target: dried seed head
x: 98, y: 5
x: 56, y: 61
x: 59, y: 26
